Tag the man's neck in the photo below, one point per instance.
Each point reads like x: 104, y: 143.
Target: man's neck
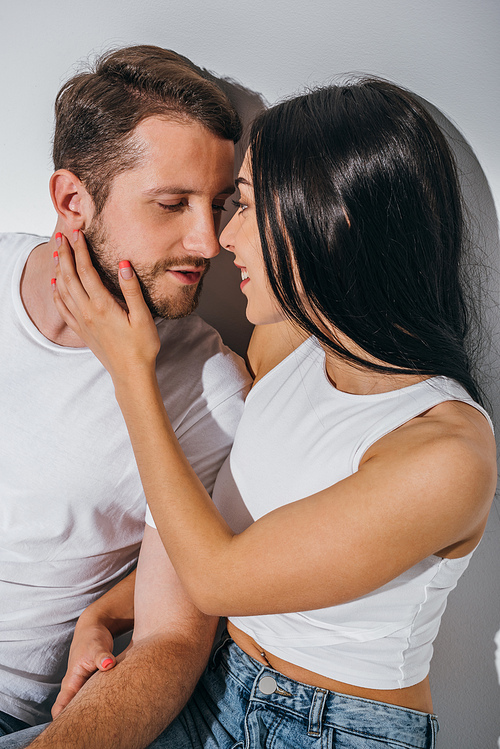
x: 37, y: 297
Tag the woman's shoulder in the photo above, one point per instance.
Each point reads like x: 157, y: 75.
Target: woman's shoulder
x: 445, y: 415
x: 448, y: 452
x: 461, y: 429
x: 452, y: 422
x: 453, y: 427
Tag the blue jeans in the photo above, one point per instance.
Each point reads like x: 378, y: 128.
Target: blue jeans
x: 241, y: 704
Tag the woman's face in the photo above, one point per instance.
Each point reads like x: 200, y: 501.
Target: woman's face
x: 241, y: 236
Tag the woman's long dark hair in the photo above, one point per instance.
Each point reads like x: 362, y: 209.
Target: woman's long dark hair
x: 361, y: 224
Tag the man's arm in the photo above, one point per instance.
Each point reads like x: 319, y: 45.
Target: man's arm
x: 128, y: 706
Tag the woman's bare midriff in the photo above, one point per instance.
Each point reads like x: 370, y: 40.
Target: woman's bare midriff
x: 417, y: 697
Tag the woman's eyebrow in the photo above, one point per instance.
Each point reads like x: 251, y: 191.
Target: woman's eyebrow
x: 242, y: 181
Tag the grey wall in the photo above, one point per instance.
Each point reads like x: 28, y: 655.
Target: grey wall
x: 444, y: 50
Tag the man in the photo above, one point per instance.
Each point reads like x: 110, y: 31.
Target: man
x: 143, y: 153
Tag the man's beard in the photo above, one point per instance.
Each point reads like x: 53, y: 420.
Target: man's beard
x: 182, y: 304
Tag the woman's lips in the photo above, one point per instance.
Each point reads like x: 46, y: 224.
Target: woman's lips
x: 244, y: 277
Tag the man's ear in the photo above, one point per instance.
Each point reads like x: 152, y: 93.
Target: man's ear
x: 71, y: 200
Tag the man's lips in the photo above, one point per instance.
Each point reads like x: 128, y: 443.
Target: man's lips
x: 187, y: 276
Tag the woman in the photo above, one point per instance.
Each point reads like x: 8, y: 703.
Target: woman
x: 363, y: 457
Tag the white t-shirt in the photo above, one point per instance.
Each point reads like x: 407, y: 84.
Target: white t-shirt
x: 299, y: 435
x: 71, y: 502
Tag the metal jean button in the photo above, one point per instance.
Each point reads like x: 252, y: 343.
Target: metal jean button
x: 267, y: 685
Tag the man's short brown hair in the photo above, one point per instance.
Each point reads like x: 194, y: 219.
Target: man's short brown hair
x: 97, y: 111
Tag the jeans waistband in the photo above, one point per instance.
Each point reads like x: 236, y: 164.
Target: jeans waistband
x: 320, y: 707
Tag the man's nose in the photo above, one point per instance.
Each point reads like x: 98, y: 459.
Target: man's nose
x: 201, y: 237
x: 226, y: 237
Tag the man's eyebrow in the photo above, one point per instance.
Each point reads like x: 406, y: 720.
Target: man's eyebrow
x: 242, y: 181
x: 183, y: 190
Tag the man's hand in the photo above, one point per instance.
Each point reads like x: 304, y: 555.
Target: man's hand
x: 90, y: 652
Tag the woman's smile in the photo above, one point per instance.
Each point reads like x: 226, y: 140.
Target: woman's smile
x: 245, y: 278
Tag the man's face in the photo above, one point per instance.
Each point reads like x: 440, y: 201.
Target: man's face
x: 164, y: 214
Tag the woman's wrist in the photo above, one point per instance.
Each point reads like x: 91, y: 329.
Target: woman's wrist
x: 134, y: 378
x: 113, y: 611
x: 95, y: 617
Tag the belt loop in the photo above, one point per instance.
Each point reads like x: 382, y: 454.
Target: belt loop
x: 214, y: 660
x: 316, y: 712
x: 434, y: 730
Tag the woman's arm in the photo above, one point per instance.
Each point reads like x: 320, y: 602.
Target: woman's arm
x: 92, y: 645
x: 421, y: 490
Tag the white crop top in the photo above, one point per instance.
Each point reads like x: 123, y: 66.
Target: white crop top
x: 299, y: 435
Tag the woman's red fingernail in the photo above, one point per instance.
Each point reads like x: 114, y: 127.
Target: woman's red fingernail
x: 53, y: 283
x: 55, y: 255
x: 125, y: 269
x: 58, y: 238
x: 75, y: 234
x: 106, y: 662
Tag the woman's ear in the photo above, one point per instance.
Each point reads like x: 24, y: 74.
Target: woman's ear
x: 71, y: 200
